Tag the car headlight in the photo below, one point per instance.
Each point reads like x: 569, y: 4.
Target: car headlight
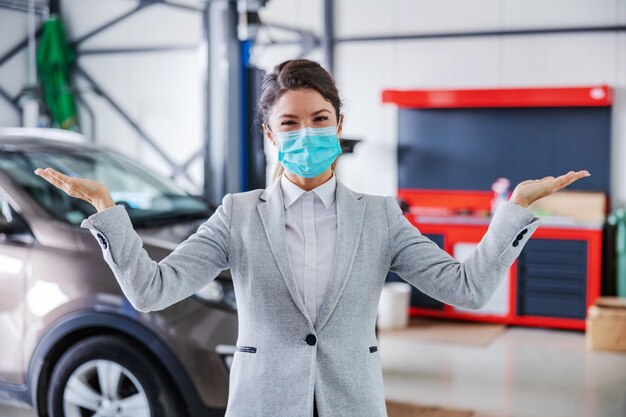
x: 218, y: 293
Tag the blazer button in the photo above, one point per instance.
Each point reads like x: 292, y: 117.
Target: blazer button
x: 519, y: 237
x: 103, y: 242
x: 524, y: 231
x: 311, y: 339
x: 516, y: 242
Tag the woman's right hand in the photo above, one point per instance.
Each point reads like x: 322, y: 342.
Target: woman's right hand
x: 91, y: 191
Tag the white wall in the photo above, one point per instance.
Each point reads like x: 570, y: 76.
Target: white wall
x: 163, y: 91
x: 13, y: 76
x: 363, y: 70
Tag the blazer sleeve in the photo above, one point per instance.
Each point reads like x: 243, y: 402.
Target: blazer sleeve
x: 471, y: 283
x: 151, y: 285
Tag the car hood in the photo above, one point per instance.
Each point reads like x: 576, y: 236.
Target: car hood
x: 162, y: 240
x: 169, y: 236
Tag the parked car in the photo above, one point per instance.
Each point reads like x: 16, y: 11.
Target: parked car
x: 71, y: 344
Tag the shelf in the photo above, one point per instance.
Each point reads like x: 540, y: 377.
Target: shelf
x: 584, y: 96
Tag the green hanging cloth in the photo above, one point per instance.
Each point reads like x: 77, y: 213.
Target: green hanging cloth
x: 54, y: 60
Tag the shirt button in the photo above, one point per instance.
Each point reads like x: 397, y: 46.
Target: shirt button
x: 310, y: 242
x: 310, y: 266
x: 311, y: 339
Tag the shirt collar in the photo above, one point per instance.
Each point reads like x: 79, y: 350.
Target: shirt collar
x: 325, y: 191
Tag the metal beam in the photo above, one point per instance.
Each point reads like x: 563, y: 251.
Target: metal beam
x: 98, y: 90
x: 183, y: 6
x: 142, y: 5
x: 308, y: 41
x: 24, y: 7
x: 444, y: 35
x: 207, y: 184
x: 328, y: 42
x: 185, y: 165
x: 5, y: 95
x: 289, y: 28
x: 92, y: 116
x: 483, y: 33
x: 140, y: 49
x: 17, y: 48
x: 223, y: 100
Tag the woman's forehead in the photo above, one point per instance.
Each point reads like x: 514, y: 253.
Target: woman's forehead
x: 301, y: 103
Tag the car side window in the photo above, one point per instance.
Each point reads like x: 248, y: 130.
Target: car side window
x: 6, y: 215
x: 11, y: 223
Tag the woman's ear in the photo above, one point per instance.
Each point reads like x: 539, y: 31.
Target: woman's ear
x: 340, y: 127
x: 268, y: 134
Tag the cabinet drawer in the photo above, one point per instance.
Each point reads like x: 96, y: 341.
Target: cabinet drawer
x: 557, y: 286
x: 555, y: 245
x: 533, y: 303
x: 554, y: 256
x: 560, y: 270
x: 552, y: 278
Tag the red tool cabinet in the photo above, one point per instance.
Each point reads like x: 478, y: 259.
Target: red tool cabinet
x: 551, y: 284
x: 454, y: 143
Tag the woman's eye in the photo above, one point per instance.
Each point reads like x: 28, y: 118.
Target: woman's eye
x: 286, y: 122
x: 321, y: 118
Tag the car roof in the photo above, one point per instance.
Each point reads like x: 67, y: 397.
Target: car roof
x: 33, y: 143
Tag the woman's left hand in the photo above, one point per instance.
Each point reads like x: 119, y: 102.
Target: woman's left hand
x: 530, y: 191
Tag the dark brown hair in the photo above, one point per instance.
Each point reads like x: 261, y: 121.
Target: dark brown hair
x: 296, y: 74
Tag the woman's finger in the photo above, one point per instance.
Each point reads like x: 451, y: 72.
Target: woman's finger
x: 48, y: 177
x: 566, y: 179
x: 63, y: 182
x: 61, y: 177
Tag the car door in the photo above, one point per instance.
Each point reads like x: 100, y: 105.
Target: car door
x: 15, y: 251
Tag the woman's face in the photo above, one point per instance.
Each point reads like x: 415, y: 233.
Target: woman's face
x: 297, y: 109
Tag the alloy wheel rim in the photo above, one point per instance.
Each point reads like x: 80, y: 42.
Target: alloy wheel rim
x: 104, y: 388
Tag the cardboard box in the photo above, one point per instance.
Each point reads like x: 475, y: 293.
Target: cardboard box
x: 606, y: 324
x: 582, y: 206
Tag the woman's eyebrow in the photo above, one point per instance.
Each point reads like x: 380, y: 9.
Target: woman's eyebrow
x: 293, y: 116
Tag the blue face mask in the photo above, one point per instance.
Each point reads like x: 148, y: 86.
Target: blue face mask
x: 309, y: 151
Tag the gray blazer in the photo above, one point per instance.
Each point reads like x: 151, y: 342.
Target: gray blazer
x: 282, y: 356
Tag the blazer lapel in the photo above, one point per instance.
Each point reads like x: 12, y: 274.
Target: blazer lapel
x: 272, y: 213
x: 350, y: 214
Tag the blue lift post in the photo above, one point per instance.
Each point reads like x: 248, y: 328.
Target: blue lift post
x: 246, y: 114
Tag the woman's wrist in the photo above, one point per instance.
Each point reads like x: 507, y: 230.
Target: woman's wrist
x: 518, y: 201
x: 104, y: 202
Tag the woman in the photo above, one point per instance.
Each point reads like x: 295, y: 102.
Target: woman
x: 308, y: 257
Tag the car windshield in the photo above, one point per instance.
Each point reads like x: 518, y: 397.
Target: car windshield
x: 148, y: 197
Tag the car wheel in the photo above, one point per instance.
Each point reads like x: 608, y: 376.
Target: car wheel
x: 109, y: 376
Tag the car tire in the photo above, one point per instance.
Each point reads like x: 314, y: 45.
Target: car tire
x: 102, y: 373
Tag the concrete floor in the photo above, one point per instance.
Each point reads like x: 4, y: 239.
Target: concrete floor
x: 523, y: 372
x: 9, y: 411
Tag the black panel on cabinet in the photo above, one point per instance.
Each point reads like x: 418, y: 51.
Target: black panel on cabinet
x: 437, y: 148
x: 418, y: 298
x: 552, y: 278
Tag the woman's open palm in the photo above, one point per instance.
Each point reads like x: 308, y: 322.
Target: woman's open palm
x: 530, y: 191
x: 89, y: 190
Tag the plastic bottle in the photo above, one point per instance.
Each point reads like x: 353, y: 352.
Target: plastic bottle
x: 500, y: 189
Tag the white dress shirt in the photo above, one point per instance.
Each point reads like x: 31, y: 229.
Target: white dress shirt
x: 311, y: 228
